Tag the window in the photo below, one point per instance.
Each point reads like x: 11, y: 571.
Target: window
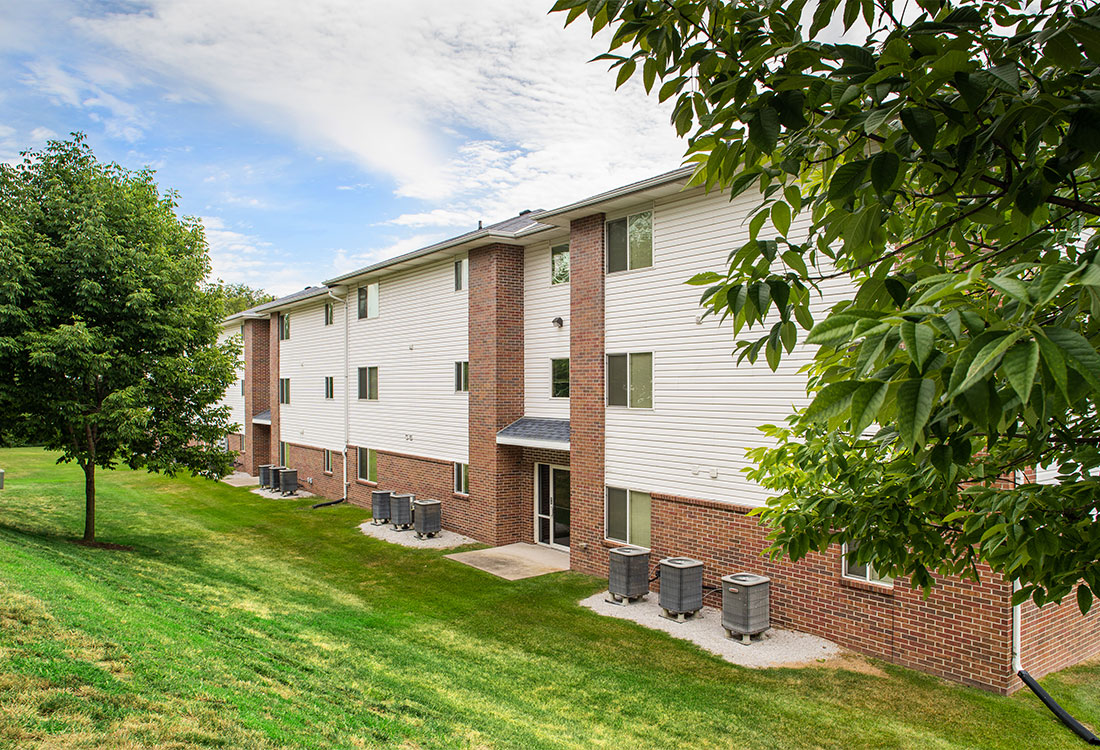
x: 559, y: 264
x: 630, y: 380
x: 462, y: 376
x: 242, y: 386
x: 284, y: 327
x: 627, y: 516
x: 368, y: 301
x: 462, y: 274
x: 462, y: 478
x: 368, y: 465
x: 328, y: 460
x: 328, y: 314
x: 284, y: 390
x: 630, y: 242
x: 368, y: 383
x: 282, y: 454
x: 862, y: 571
x: 559, y: 378
x: 329, y: 387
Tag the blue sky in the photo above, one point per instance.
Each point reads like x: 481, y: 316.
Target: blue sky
x: 313, y: 138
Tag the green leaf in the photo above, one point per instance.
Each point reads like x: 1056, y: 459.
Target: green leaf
x: 1020, y: 365
x: 781, y: 217
x: 835, y: 329
x: 866, y: 403
x: 915, y: 400
x: 921, y: 125
x: 795, y: 262
x: 1084, y: 598
x: 984, y: 362
x: 846, y: 180
x: 625, y: 71
x: 1009, y: 286
x: 1079, y: 353
x: 884, y: 170
x: 704, y: 278
x: 919, y: 341
x: 764, y: 129
x: 831, y: 400
x: 1055, y: 363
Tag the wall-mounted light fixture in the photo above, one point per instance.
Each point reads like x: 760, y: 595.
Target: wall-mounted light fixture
x: 558, y: 322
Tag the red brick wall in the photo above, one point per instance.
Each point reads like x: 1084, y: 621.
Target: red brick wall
x: 273, y: 388
x: 496, y: 512
x: 586, y: 392
x: 532, y: 456
x: 424, y: 477
x: 1057, y: 636
x: 237, y: 444
x: 310, y: 463
x: 257, y: 393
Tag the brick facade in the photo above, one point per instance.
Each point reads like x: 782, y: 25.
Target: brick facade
x: 586, y: 392
x: 257, y: 393
x: 416, y: 475
x: 1057, y: 636
x: 273, y: 389
x: 312, y: 477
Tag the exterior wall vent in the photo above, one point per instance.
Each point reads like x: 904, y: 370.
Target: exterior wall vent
x: 380, y: 507
x: 746, y: 605
x: 681, y: 587
x: 627, y: 574
x: 427, y: 518
x: 401, y: 511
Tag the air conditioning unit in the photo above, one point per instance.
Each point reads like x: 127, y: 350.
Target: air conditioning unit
x: 681, y: 587
x: 288, y: 481
x: 273, y: 485
x: 265, y: 475
x: 380, y: 507
x: 627, y: 574
x: 427, y: 518
x: 401, y: 512
x: 746, y: 608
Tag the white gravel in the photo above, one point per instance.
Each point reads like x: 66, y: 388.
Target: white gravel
x: 773, y: 648
x: 443, y: 540
x: 279, y: 495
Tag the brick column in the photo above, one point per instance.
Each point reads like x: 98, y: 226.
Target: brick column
x: 273, y: 387
x: 586, y: 394
x: 257, y: 392
x: 497, y: 508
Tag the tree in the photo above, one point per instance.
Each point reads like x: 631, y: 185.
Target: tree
x: 237, y: 297
x: 941, y: 160
x: 108, y: 344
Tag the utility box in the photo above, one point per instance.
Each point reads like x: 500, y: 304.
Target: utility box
x: 401, y: 512
x: 681, y: 587
x: 265, y: 475
x: 288, y: 481
x: 746, y: 605
x: 427, y: 518
x: 627, y: 574
x: 380, y: 507
x: 273, y: 477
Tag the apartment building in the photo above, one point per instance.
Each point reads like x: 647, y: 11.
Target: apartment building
x: 549, y: 379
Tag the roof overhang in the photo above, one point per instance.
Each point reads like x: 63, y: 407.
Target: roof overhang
x: 263, y: 417
x: 536, y: 432
x: 552, y: 445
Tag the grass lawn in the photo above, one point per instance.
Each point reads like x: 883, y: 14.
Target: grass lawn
x: 238, y: 621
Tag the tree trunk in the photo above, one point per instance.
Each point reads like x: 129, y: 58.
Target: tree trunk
x: 89, y: 502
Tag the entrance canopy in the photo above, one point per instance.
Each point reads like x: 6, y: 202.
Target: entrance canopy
x: 534, y: 432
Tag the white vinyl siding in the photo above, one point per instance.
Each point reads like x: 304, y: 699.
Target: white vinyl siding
x: 706, y: 409
x: 542, y: 340
x: 420, y: 333
x: 314, y: 352
x: 234, y: 394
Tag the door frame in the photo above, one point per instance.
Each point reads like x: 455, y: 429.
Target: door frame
x: 535, y: 504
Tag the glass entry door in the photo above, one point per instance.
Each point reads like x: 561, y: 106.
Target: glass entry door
x: 552, y: 505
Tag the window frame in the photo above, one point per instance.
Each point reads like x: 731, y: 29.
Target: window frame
x: 283, y: 322
x: 554, y: 251
x: 462, y: 274
x: 284, y: 391
x: 326, y: 457
x: 283, y: 452
x: 365, y: 372
x: 607, y: 244
x: 629, y: 380
x: 462, y: 376
x: 370, y: 464
x: 568, y: 377
x: 870, y: 575
x: 629, y: 501
x: 330, y: 387
x: 364, y: 299
x: 461, y: 478
x: 330, y: 314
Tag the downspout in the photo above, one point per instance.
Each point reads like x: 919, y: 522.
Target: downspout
x: 346, y: 385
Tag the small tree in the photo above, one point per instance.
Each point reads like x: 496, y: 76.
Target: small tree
x: 944, y: 161
x: 237, y: 297
x: 108, y: 343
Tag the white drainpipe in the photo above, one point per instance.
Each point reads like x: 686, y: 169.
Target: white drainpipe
x: 344, y: 299
x: 1016, y: 667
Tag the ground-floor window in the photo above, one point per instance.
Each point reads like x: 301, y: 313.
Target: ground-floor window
x: 282, y: 453
x: 627, y: 516
x: 368, y: 465
x: 462, y: 478
x: 862, y: 571
x: 328, y: 460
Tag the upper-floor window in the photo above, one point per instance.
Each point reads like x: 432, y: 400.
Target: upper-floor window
x: 862, y: 571
x: 368, y: 301
x: 559, y: 264
x: 462, y: 274
x: 462, y: 376
x: 284, y: 326
x: 559, y: 378
x: 329, y: 316
x: 627, y: 516
x: 368, y: 383
x: 330, y: 387
x: 284, y: 390
x: 242, y: 386
x: 630, y: 242
x: 630, y: 380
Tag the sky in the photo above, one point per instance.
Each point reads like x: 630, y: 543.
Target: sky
x: 313, y: 138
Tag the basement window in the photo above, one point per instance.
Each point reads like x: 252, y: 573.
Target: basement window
x: 862, y: 571
x: 462, y: 478
x: 282, y: 453
x: 630, y: 242
x: 368, y: 465
x: 328, y: 460
x: 627, y: 516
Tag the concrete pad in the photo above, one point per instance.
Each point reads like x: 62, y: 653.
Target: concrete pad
x: 772, y: 648
x: 241, y: 479
x: 302, y: 494
x: 387, y: 533
x: 515, y: 561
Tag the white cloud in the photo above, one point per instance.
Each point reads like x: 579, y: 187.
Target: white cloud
x: 344, y: 260
x: 85, y: 89
x: 242, y: 258
x: 41, y: 135
x: 439, y: 217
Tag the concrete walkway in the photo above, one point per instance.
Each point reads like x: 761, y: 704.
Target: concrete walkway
x: 515, y: 561
x: 241, y: 479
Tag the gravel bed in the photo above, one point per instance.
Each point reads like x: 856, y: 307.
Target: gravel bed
x: 443, y: 540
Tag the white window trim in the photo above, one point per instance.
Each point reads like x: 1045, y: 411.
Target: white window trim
x: 326, y: 457
x: 551, y: 366
x: 886, y: 583
x: 456, y: 468
x: 465, y: 375
x: 607, y: 249
x: 652, y: 385
x: 465, y: 274
x: 607, y: 487
x: 569, y: 250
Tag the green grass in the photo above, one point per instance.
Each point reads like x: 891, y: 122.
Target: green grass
x: 238, y: 621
